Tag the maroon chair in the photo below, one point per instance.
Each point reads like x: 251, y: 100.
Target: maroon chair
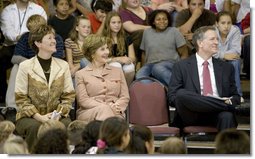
x: 148, y: 106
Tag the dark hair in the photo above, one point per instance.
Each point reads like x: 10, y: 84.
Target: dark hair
x: 55, y: 2
x: 111, y: 132
x: 105, y: 5
x: 232, y: 141
x: 153, y: 15
x: 139, y: 135
x: 89, y: 137
x: 38, y: 34
x: 199, y: 34
x: 222, y: 13
x: 52, y: 142
x: 191, y: 0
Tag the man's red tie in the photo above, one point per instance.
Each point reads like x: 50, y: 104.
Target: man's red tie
x: 206, y: 80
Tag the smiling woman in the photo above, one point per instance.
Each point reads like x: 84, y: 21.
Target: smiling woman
x: 43, y: 85
x: 101, y: 89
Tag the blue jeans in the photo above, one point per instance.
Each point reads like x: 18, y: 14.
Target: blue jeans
x: 84, y: 62
x: 162, y: 71
x: 237, y: 66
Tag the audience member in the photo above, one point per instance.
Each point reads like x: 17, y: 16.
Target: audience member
x: 173, y: 145
x: 100, y: 9
x: 246, y: 54
x: 23, y: 51
x: 15, y: 145
x: 239, y: 9
x: 141, y: 140
x: 13, y: 25
x: 229, y: 37
x: 134, y: 18
x: 54, y: 141
x: 204, y: 95
x: 74, y: 132
x: 113, y: 136
x: 6, y: 129
x: 163, y: 46
x: 49, y: 125
x: 89, y: 139
x: 214, y: 5
x: 245, y: 24
x: 232, y: 141
x: 63, y: 21
x: 189, y: 20
x: 73, y: 44
x: 122, y: 53
x: 43, y: 89
x: 101, y: 89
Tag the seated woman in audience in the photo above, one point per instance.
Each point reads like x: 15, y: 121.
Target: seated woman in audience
x: 89, y: 136
x: 229, y: 45
x: 114, y: 136
x: 232, y: 141
x: 101, y: 89
x: 163, y: 46
x: 134, y: 17
x: 100, y: 9
x: 173, y: 145
x: 54, y: 141
x: 122, y: 53
x: 44, y: 88
x: 73, y: 44
x: 141, y: 141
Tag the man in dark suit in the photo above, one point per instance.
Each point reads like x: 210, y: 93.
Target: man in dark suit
x: 187, y: 88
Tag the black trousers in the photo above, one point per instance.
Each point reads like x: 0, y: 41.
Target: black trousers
x: 6, y: 54
x: 196, y: 110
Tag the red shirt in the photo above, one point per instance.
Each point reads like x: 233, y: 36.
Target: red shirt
x: 245, y: 23
x: 95, y: 24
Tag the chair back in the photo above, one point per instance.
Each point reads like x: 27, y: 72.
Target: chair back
x: 148, y: 103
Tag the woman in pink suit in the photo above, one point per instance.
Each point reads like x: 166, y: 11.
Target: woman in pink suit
x: 101, y: 89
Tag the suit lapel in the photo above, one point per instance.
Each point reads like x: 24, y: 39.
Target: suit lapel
x: 37, y: 69
x: 192, y: 66
x: 218, y: 75
x: 54, y: 70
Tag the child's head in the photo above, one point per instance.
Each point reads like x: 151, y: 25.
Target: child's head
x: 232, y: 141
x: 141, y: 141
x: 114, y: 132
x: 173, y: 145
x: 101, y: 8
x: 15, y: 145
x: 223, y: 22
x: 54, y: 141
x: 34, y: 21
x: 91, y: 132
x: 159, y: 20
x: 81, y: 29
x: 6, y: 128
x: 62, y: 8
x: 113, y: 23
x: 49, y: 125
x: 74, y: 131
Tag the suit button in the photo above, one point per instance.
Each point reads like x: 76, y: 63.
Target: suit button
x: 103, y: 80
x: 104, y: 87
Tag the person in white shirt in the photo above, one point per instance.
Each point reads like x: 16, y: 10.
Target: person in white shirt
x: 13, y: 24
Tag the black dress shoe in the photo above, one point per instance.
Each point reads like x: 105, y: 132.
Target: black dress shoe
x: 243, y: 110
x: 9, y: 114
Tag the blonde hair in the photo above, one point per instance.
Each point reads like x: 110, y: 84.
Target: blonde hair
x: 173, y: 145
x: 49, y: 125
x: 34, y: 21
x: 6, y: 128
x: 91, y: 44
x: 74, y: 131
x: 15, y: 145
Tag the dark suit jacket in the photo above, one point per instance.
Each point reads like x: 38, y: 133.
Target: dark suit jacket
x: 185, y: 76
